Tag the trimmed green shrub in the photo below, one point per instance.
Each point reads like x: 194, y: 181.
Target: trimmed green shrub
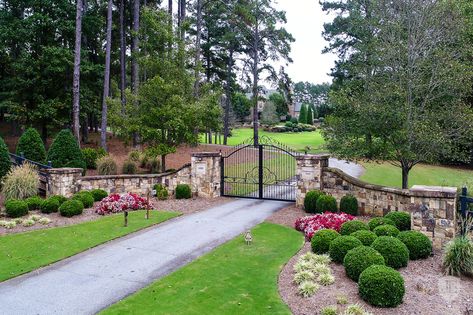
x: 85, y: 197
x: 340, y: 246
x: 365, y: 237
x: 349, y: 204
x: 360, y: 258
x: 310, y: 200
x: 129, y: 167
x: 418, y: 244
x: 106, y: 165
x: 458, y: 257
x: 161, y: 192
x: 71, y: 208
x: 65, y: 151
x: 183, y: 191
x: 16, y: 208
x: 326, y: 203
x: 395, y: 253
x: 31, y: 146
x: 375, y: 222
x: 321, y: 240
x: 59, y: 198
x: 386, y: 230
x: 90, y: 158
x: 5, y: 162
x: 98, y: 194
x: 34, y: 202
x: 401, y: 219
x: 21, y: 182
x: 381, y: 286
x: 50, y: 205
x: 353, y: 226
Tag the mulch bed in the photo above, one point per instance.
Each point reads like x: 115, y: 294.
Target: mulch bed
x: 184, y: 206
x: 287, y: 216
x: 423, y: 295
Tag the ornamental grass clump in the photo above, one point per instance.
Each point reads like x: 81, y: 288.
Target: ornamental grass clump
x: 401, y: 219
x: 313, y: 269
x: 458, y: 257
x: 44, y: 221
x: 326, y: 279
x: 366, y: 237
x: 308, y: 288
x: 329, y: 310
x: 352, y: 226
x: 355, y: 309
x: 28, y: 223
x: 303, y: 275
x: 386, y: 230
x: 129, y: 167
x: 21, y: 182
x: 106, y: 165
x: 418, y: 244
x: 340, y: 246
x: 360, y: 258
x: 381, y: 286
x: 395, y: 253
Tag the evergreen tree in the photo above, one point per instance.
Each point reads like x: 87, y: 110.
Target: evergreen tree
x: 5, y: 162
x: 310, y: 116
x: 65, y: 151
x: 303, y: 114
x: 31, y: 146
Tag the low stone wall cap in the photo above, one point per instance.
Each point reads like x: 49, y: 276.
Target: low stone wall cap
x: 439, y: 189
x: 312, y: 156
x: 64, y: 170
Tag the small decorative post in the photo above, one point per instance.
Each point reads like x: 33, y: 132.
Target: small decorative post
x: 147, y: 209
x: 126, y: 218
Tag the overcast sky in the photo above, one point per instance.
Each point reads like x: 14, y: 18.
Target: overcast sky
x: 305, y: 21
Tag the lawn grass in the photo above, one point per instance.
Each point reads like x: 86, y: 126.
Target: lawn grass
x: 422, y: 174
x: 233, y: 279
x: 24, y: 252
x: 295, y: 140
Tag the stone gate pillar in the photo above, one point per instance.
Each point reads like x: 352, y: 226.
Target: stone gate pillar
x: 63, y: 181
x: 205, y: 174
x: 309, y: 174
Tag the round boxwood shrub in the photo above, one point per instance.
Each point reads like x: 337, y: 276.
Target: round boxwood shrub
x: 183, y: 191
x: 326, y: 203
x: 419, y: 245
x: 349, y: 204
x: 395, y: 253
x: 375, y: 222
x: 98, y: 194
x: 50, y: 205
x: 71, y: 208
x: 353, y: 226
x: 61, y: 199
x: 386, y: 230
x: 340, y: 246
x: 34, y: 203
x: 321, y: 240
x: 401, y: 219
x: 381, y: 286
x: 310, y: 200
x: 65, y: 151
x: 16, y: 208
x: 366, y: 237
x: 85, y: 197
x: 5, y: 162
x: 360, y: 258
x: 31, y: 146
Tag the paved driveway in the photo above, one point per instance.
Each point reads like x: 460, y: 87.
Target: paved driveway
x: 89, y: 282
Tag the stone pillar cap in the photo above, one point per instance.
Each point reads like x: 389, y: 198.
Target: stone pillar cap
x: 205, y: 154
x: 313, y: 156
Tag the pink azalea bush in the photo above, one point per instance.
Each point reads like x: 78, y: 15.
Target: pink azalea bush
x: 328, y: 220
x: 115, y: 203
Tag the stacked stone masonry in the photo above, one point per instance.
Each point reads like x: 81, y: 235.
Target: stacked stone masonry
x: 433, y: 209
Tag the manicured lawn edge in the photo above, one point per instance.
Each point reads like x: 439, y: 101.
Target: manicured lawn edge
x: 24, y: 252
x: 234, y: 278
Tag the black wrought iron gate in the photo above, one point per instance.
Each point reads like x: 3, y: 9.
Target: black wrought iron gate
x: 263, y: 171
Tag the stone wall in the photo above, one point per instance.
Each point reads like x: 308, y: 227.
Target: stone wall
x: 433, y: 209
x: 205, y: 174
x: 63, y: 181
x: 138, y: 184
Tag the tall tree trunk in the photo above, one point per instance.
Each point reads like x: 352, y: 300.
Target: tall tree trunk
x: 197, y: 49
x: 76, y: 76
x: 163, y: 163
x: 170, y: 8
x: 406, y: 168
x: 134, y: 60
x: 106, y: 79
x: 122, y: 55
x: 85, y: 130
x: 228, y: 100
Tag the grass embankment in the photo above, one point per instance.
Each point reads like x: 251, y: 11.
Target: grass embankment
x: 233, y: 279
x: 24, y: 252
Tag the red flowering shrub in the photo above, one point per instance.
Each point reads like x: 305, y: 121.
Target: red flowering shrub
x: 115, y: 203
x: 328, y: 220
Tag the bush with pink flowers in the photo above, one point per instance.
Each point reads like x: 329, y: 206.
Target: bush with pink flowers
x: 115, y: 203
x: 328, y: 220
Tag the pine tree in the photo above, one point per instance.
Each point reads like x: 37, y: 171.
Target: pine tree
x: 31, y: 146
x: 310, y: 116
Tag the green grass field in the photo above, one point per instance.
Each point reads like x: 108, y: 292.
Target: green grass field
x: 233, y: 279
x: 24, y: 252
